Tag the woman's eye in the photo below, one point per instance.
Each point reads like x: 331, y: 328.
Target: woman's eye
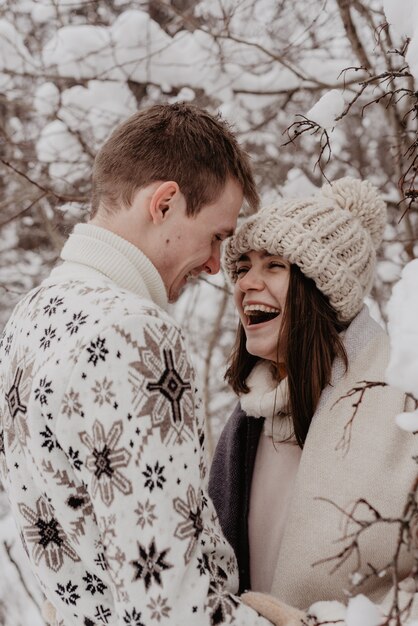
x: 241, y: 270
x: 276, y: 264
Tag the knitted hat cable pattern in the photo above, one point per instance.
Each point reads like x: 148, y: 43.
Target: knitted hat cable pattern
x: 332, y: 236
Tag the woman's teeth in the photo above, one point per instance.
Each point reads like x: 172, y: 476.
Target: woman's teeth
x: 259, y: 313
x: 260, y: 307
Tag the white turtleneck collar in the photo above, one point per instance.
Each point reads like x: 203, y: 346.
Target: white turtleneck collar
x: 270, y: 400
x: 92, y: 249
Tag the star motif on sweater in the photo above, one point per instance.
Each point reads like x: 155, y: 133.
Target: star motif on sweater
x: 150, y: 564
x: 105, y: 459
x: 49, y: 541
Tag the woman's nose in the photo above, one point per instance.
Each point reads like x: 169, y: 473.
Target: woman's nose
x: 250, y: 280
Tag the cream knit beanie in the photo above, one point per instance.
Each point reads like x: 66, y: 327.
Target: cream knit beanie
x: 332, y: 236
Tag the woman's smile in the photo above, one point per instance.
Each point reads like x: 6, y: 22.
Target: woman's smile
x: 260, y: 297
x: 257, y: 314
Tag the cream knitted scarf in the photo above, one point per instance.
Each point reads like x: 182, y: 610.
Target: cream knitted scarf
x: 268, y: 399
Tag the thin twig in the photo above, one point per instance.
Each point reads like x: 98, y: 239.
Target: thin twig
x: 49, y: 192
x: 360, y: 388
x: 22, y: 212
x: 22, y: 580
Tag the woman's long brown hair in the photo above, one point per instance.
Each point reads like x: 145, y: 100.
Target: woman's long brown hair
x: 309, y: 340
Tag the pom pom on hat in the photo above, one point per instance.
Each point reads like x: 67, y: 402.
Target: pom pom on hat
x: 332, y: 236
x: 362, y: 199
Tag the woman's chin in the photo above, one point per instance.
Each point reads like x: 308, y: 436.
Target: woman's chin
x: 266, y: 354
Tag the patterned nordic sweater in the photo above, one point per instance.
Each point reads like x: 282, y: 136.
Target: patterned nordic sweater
x: 102, y: 448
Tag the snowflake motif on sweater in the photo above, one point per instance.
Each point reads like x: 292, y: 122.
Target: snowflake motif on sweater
x: 102, y: 457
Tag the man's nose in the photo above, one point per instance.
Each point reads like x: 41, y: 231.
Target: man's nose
x: 213, y: 264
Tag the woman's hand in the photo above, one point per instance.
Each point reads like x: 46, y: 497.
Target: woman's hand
x: 278, y: 613
x: 49, y: 613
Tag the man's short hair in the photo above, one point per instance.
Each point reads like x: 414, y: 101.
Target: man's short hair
x: 178, y: 142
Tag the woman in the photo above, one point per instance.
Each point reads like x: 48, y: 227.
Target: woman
x: 311, y: 456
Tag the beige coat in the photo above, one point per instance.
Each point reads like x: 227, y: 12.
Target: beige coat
x: 372, y: 458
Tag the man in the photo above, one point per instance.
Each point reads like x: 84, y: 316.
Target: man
x: 101, y: 443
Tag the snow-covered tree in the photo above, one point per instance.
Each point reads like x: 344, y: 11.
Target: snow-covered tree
x: 322, y: 88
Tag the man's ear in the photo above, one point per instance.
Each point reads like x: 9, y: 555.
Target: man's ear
x: 166, y: 195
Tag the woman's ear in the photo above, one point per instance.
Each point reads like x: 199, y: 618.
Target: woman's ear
x: 165, y: 197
